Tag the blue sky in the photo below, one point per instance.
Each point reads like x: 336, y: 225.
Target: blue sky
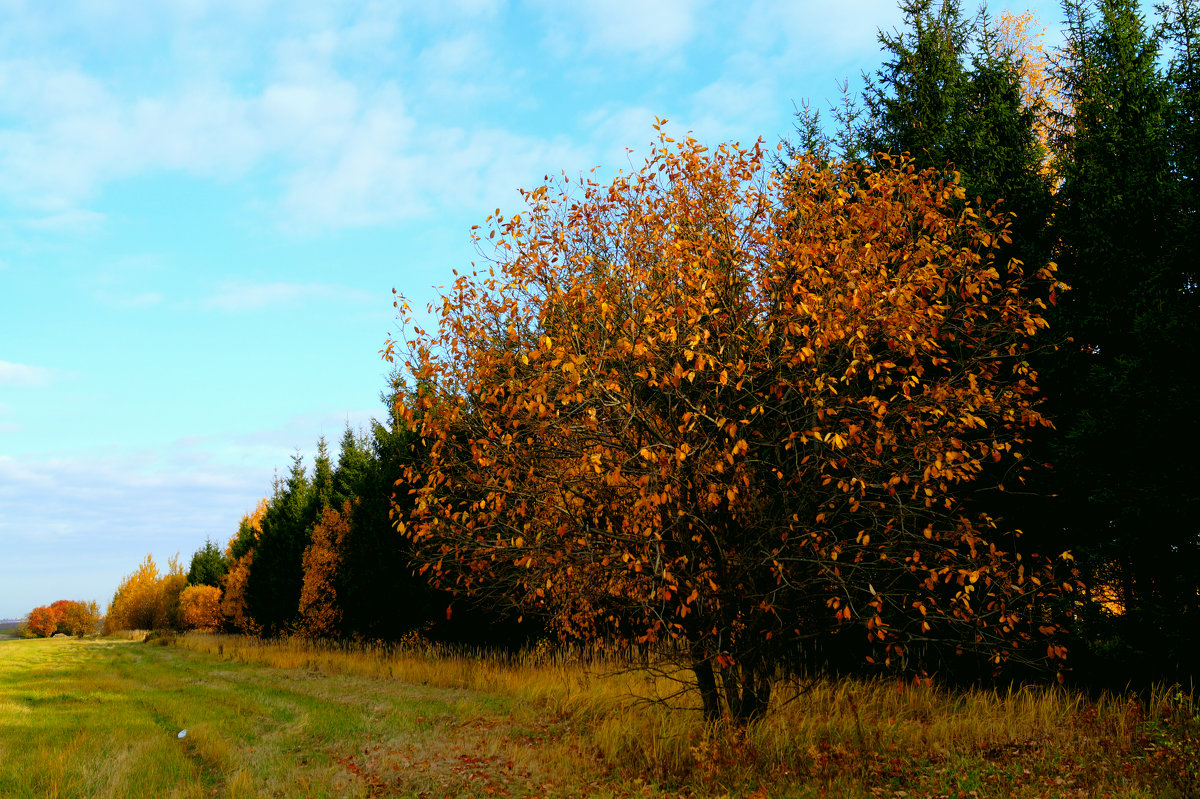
x: 204, y: 207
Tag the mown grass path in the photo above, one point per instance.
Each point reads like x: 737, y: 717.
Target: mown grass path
x: 101, y: 719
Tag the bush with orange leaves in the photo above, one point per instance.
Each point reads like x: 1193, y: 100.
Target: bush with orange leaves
x: 65, y: 616
x: 200, y: 608
x: 42, y: 621
x: 146, y: 599
x: 732, y: 414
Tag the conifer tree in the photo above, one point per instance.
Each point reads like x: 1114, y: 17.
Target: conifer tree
x: 209, y: 565
x: 1126, y: 396
x: 277, y: 573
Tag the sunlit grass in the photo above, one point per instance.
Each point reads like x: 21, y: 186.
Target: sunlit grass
x: 292, y: 718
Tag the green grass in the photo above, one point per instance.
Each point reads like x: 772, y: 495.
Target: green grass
x: 100, y: 718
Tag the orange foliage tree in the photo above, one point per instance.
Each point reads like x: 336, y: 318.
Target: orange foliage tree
x: 170, y: 588
x: 240, y: 552
x: 136, y: 600
x: 43, y: 621
x: 146, y: 599
x: 78, y: 618
x: 233, y: 601
x: 727, y: 414
x: 1041, y: 88
x: 320, y: 613
x: 200, y: 607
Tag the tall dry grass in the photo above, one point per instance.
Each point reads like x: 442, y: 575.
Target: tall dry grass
x: 840, y: 734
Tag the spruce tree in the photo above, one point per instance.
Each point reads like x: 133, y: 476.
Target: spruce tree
x: 277, y: 573
x: 1126, y: 394
x: 208, y: 565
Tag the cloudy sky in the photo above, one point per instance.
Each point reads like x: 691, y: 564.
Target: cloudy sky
x: 205, y: 204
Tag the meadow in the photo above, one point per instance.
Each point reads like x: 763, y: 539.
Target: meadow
x: 102, y: 717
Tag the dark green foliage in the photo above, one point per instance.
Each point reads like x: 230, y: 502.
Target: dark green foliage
x: 950, y: 95
x: 378, y: 593
x: 916, y: 102
x: 208, y: 566
x: 277, y: 573
x: 1125, y: 392
x: 381, y: 596
x: 1124, y: 493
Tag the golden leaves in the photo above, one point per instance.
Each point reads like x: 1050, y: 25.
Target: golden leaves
x: 702, y: 375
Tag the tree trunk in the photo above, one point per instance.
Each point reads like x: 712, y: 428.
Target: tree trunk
x: 707, y: 683
x: 756, y: 695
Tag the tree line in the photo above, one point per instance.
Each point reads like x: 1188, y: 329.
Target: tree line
x: 769, y: 414
x: 65, y: 617
x: 319, y: 557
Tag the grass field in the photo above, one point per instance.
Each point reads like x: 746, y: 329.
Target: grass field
x: 102, y: 717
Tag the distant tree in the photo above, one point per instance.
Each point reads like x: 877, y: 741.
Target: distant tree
x: 248, y: 532
x: 276, y: 574
x: 80, y: 618
x: 167, y: 613
x: 233, y: 600
x: 208, y: 565
x: 146, y: 599
x: 239, y: 555
x: 136, y: 600
x: 43, y: 621
x: 379, y: 591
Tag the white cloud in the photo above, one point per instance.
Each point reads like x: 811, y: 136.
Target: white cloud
x: 23, y: 376
x: 76, y: 220
x: 83, y: 522
x: 239, y: 296
x: 347, y: 155
x: 652, y: 29
x: 817, y: 36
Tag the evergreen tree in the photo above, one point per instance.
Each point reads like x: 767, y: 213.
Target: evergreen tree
x: 277, y: 573
x: 1126, y: 393
x: 950, y: 96
x: 382, y: 595
x: 208, y: 566
x: 916, y: 102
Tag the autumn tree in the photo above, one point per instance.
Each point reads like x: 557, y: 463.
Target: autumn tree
x: 240, y: 556
x: 78, y: 617
x: 1041, y: 89
x: 42, y: 621
x: 167, y: 611
x: 728, y: 415
x: 146, y: 599
x: 200, y: 608
x: 320, y: 610
x: 136, y: 600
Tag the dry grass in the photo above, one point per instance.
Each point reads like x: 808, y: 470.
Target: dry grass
x: 835, y: 738
x: 292, y: 718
